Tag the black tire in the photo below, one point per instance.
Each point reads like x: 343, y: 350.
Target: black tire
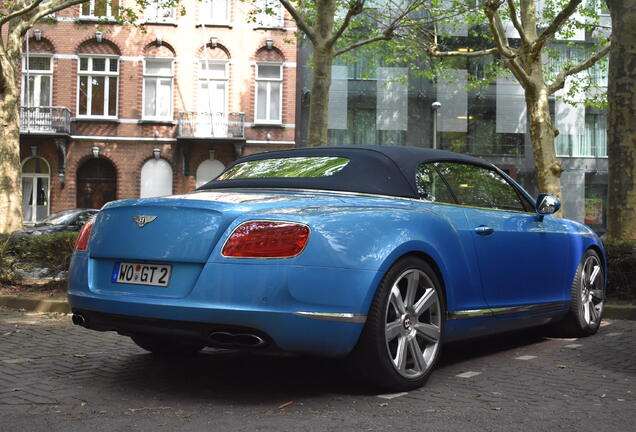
x: 587, y: 298
x: 376, y: 359
x: 166, y: 346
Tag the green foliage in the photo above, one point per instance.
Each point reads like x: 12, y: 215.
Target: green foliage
x: 439, y: 23
x: 8, y: 271
x: 621, y: 263
x: 26, y: 252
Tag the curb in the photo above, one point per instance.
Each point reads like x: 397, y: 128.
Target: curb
x: 618, y: 311
x: 35, y: 305
x: 611, y: 311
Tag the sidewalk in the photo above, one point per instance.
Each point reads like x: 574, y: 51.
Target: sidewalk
x: 612, y: 310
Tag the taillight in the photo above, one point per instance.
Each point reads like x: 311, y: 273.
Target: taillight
x: 84, y: 235
x: 267, y: 239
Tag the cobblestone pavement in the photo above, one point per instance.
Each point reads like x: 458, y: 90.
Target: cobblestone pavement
x: 54, y: 376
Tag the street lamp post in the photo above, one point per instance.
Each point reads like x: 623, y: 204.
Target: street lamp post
x: 435, y: 106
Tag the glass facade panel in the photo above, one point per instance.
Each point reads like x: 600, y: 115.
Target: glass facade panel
x: 338, y: 98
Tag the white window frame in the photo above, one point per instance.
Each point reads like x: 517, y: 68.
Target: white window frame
x: 34, y: 177
x: 91, y: 73
x: 157, y: 78
x: 267, y: 120
x: 152, y: 12
x: 203, y: 76
x: 264, y: 20
x: 36, y: 72
x: 91, y: 14
x: 205, y: 13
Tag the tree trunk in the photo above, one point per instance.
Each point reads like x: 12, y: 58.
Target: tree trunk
x: 621, y: 121
x: 319, y: 99
x: 10, y: 175
x: 546, y: 164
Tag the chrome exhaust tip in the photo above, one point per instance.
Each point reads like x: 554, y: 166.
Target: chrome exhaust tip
x: 249, y: 340
x: 223, y: 338
x: 79, y: 320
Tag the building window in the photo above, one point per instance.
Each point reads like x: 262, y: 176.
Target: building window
x: 208, y: 169
x: 212, y: 99
x: 156, y: 12
x: 215, y: 11
x: 36, y: 81
x: 35, y: 189
x: 269, y: 94
x: 270, y: 13
x: 98, y: 79
x: 158, y: 89
x: 156, y: 178
x: 100, y: 8
x: 593, y: 143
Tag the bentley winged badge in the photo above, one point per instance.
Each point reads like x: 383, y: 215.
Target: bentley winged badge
x: 143, y: 220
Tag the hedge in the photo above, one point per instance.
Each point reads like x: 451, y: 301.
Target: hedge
x: 621, y: 263
x: 26, y: 252
x: 53, y: 251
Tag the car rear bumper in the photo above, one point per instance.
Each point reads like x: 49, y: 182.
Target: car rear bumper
x: 278, y: 330
x: 319, y: 311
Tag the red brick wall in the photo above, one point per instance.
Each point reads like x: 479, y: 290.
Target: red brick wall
x: 241, y: 44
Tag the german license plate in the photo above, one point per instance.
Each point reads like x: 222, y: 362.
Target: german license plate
x: 141, y: 274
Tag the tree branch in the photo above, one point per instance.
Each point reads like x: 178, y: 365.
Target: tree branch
x: 559, y: 81
x: 355, y: 8
x: 433, y: 52
x: 491, y: 9
x: 300, y: 21
x: 555, y: 25
x: 515, y: 22
x: 384, y: 36
x: 28, y: 8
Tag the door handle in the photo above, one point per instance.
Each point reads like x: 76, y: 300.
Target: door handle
x: 484, y: 230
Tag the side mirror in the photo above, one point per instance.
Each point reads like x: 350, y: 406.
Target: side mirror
x: 547, y: 204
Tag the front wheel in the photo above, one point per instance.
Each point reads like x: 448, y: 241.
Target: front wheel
x: 588, y: 297
x: 401, y: 341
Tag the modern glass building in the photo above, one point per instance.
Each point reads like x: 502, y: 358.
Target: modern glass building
x: 375, y: 103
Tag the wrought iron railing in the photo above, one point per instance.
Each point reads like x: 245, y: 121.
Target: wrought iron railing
x: 45, y: 119
x: 211, y: 125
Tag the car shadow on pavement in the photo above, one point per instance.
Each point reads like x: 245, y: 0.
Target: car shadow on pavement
x: 255, y: 378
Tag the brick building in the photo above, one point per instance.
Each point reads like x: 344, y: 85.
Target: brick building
x: 112, y: 112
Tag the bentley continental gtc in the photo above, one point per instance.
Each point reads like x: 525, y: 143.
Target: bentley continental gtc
x: 377, y: 254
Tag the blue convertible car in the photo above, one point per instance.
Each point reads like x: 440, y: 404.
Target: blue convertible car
x: 381, y: 254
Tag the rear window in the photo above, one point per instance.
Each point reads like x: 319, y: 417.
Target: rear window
x: 297, y: 167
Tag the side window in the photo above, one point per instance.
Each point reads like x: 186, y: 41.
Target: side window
x: 431, y: 187
x: 480, y: 187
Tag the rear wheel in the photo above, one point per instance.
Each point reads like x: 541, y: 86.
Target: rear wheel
x: 588, y: 297
x: 401, y: 341
x: 166, y: 346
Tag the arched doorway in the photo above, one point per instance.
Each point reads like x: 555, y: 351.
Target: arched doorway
x: 207, y: 170
x: 96, y: 183
x: 156, y: 178
x: 36, y: 178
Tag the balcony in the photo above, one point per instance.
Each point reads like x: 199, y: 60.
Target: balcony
x: 211, y: 125
x: 45, y: 120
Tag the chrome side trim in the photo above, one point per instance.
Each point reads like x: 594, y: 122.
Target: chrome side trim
x: 475, y: 313
x: 328, y: 316
x: 492, y: 312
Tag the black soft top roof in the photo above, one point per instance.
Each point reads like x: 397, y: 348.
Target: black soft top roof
x: 372, y: 169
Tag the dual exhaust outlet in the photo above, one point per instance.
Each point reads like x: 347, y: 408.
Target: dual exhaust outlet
x: 220, y: 338
x: 245, y: 340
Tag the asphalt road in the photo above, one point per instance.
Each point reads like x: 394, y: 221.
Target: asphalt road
x: 55, y: 377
